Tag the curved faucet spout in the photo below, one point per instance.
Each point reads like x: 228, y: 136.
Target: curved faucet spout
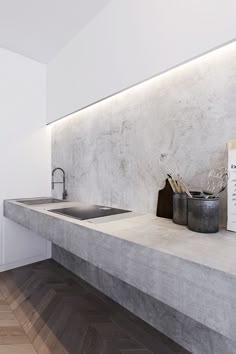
x: 64, y: 194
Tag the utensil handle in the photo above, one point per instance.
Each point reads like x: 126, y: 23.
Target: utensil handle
x: 172, y: 184
x: 185, y: 188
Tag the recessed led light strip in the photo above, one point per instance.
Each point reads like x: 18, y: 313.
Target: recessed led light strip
x: 215, y: 51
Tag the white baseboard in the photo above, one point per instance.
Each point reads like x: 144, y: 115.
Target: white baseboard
x: 24, y: 262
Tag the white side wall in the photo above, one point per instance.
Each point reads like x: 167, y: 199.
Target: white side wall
x: 131, y: 40
x: 24, y: 151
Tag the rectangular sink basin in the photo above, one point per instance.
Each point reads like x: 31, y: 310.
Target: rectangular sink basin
x: 40, y: 201
x: 85, y: 212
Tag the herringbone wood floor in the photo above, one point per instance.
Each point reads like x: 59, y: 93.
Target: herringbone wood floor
x: 45, y: 309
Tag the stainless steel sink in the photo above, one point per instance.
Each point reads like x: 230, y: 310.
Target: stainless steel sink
x: 84, y: 212
x: 40, y: 201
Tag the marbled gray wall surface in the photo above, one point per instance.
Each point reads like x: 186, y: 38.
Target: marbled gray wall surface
x: 110, y: 150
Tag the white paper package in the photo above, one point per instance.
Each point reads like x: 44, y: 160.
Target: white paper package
x: 231, y: 224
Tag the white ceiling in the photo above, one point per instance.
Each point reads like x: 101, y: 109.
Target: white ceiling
x: 40, y: 28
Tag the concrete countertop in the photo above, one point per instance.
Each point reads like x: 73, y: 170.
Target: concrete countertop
x: 193, y: 273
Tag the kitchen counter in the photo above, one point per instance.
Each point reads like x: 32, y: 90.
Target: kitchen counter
x: 192, y: 273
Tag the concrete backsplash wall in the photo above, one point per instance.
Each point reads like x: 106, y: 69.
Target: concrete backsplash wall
x: 110, y: 150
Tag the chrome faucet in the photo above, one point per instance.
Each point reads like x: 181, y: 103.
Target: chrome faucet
x: 64, y: 194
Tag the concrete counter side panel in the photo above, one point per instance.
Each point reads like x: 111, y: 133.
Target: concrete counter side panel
x: 205, y: 294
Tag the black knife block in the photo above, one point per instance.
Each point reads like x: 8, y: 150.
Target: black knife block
x: 165, y: 202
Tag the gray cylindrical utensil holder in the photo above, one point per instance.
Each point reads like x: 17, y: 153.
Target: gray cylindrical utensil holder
x: 203, y: 215
x: 180, y: 208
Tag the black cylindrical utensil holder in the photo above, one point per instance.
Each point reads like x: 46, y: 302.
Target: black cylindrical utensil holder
x: 180, y: 208
x: 203, y: 215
